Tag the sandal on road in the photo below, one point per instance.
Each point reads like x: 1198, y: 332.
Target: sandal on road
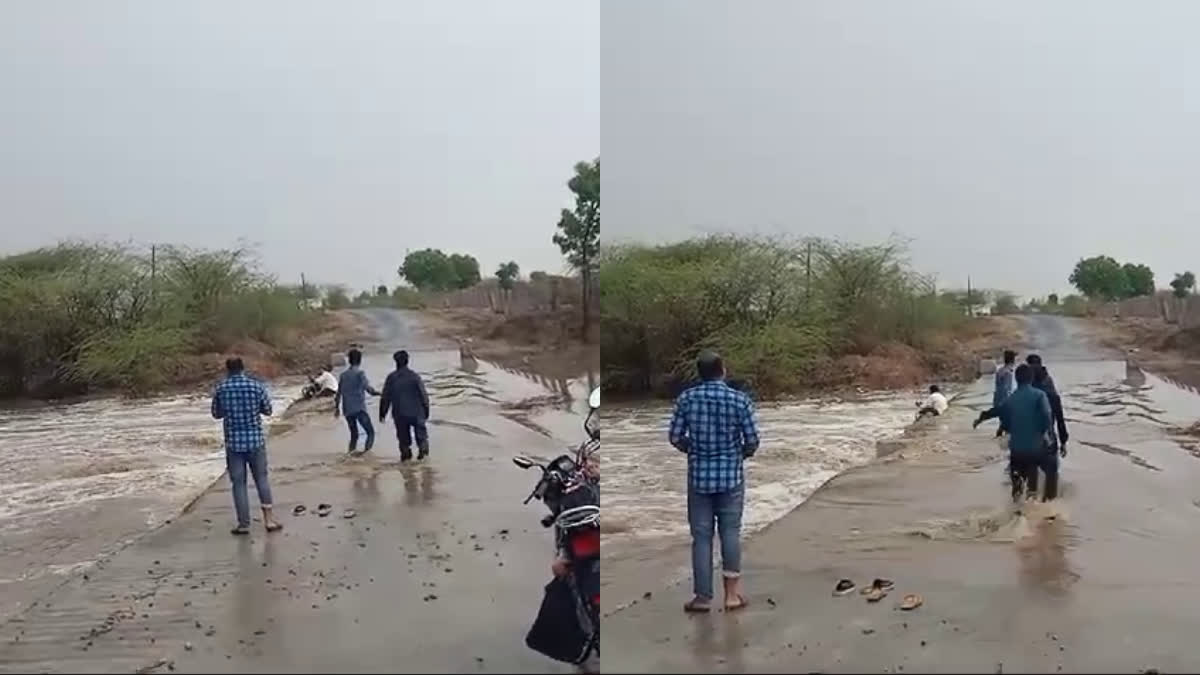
x: 911, y: 602
x: 844, y: 587
x: 876, y: 593
x: 697, y: 606
x: 324, y: 509
x: 885, y: 585
x: 274, y: 527
x: 240, y: 530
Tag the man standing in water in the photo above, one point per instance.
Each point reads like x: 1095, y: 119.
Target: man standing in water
x: 1026, y: 415
x: 352, y: 389
x: 1004, y: 378
x: 714, y: 425
x: 404, y: 394
x: 239, y: 402
x: 1043, y: 381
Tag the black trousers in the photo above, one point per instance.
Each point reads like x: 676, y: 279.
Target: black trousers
x: 1024, y: 472
x: 406, y: 429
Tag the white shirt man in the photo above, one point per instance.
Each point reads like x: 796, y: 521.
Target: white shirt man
x: 327, y: 381
x: 935, y: 403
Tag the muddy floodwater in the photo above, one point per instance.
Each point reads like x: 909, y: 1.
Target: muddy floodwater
x: 82, y: 480
x: 1102, y: 580
x: 803, y: 444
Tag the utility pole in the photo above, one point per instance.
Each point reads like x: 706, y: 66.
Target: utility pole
x: 153, y: 276
x: 970, y: 298
x: 808, y: 275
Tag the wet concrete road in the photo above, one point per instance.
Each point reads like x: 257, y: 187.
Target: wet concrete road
x: 440, y: 569
x: 1109, y: 585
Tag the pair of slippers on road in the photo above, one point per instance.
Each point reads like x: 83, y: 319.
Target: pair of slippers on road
x: 322, y: 510
x: 877, y: 591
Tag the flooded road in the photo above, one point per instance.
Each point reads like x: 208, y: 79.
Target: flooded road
x: 78, y: 481
x: 1108, y: 584
x: 804, y: 444
x: 433, y: 536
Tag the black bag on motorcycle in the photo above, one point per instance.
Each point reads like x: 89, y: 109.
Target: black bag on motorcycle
x: 556, y: 632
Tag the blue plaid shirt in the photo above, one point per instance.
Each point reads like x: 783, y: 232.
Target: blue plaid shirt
x: 238, y: 402
x: 714, y: 424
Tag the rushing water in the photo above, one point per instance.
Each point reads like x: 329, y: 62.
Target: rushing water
x: 804, y: 444
x: 54, y: 460
x: 80, y: 480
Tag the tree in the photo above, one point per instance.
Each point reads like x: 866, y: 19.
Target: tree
x: 336, y: 297
x: 1052, y: 299
x: 466, y: 270
x: 538, y: 276
x: 1139, y: 280
x: 1005, y: 303
x: 1183, y: 284
x: 578, y: 233
x: 381, y: 290
x: 1100, y: 278
x: 431, y: 269
x: 507, y: 274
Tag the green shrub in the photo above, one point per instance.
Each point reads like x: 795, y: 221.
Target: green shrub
x: 778, y: 311
x: 82, y: 315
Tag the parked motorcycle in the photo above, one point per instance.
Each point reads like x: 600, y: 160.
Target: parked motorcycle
x: 567, y: 627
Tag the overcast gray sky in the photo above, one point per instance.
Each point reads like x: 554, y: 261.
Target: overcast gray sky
x: 333, y: 134
x: 1007, y: 139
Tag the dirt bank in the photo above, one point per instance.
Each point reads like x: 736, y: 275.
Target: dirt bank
x: 303, y: 351
x: 545, y: 342
x: 950, y: 357
x: 1153, y: 345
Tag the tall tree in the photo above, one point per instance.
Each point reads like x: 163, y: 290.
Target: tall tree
x: 466, y: 270
x: 1183, y: 284
x: 507, y: 274
x: 1139, y: 280
x: 431, y: 269
x: 1100, y: 278
x: 578, y: 233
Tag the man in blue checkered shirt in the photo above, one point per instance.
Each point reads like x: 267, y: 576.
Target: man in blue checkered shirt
x: 239, y: 402
x: 714, y: 424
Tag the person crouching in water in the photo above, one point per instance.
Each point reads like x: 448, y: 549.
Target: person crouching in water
x: 935, y: 404
x: 1026, y: 417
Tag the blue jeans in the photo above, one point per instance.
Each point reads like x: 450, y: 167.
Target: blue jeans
x: 725, y: 509
x: 237, y: 463
x: 363, y: 418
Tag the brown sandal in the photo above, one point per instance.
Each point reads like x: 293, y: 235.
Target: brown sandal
x: 697, y: 606
x: 274, y: 527
x: 739, y: 604
x: 911, y: 602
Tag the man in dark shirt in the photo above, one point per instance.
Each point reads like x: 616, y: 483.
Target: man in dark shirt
x: 714, y: 425
x: 1026, y: 416
x: 404, y: 395
x: 1043, y: 381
